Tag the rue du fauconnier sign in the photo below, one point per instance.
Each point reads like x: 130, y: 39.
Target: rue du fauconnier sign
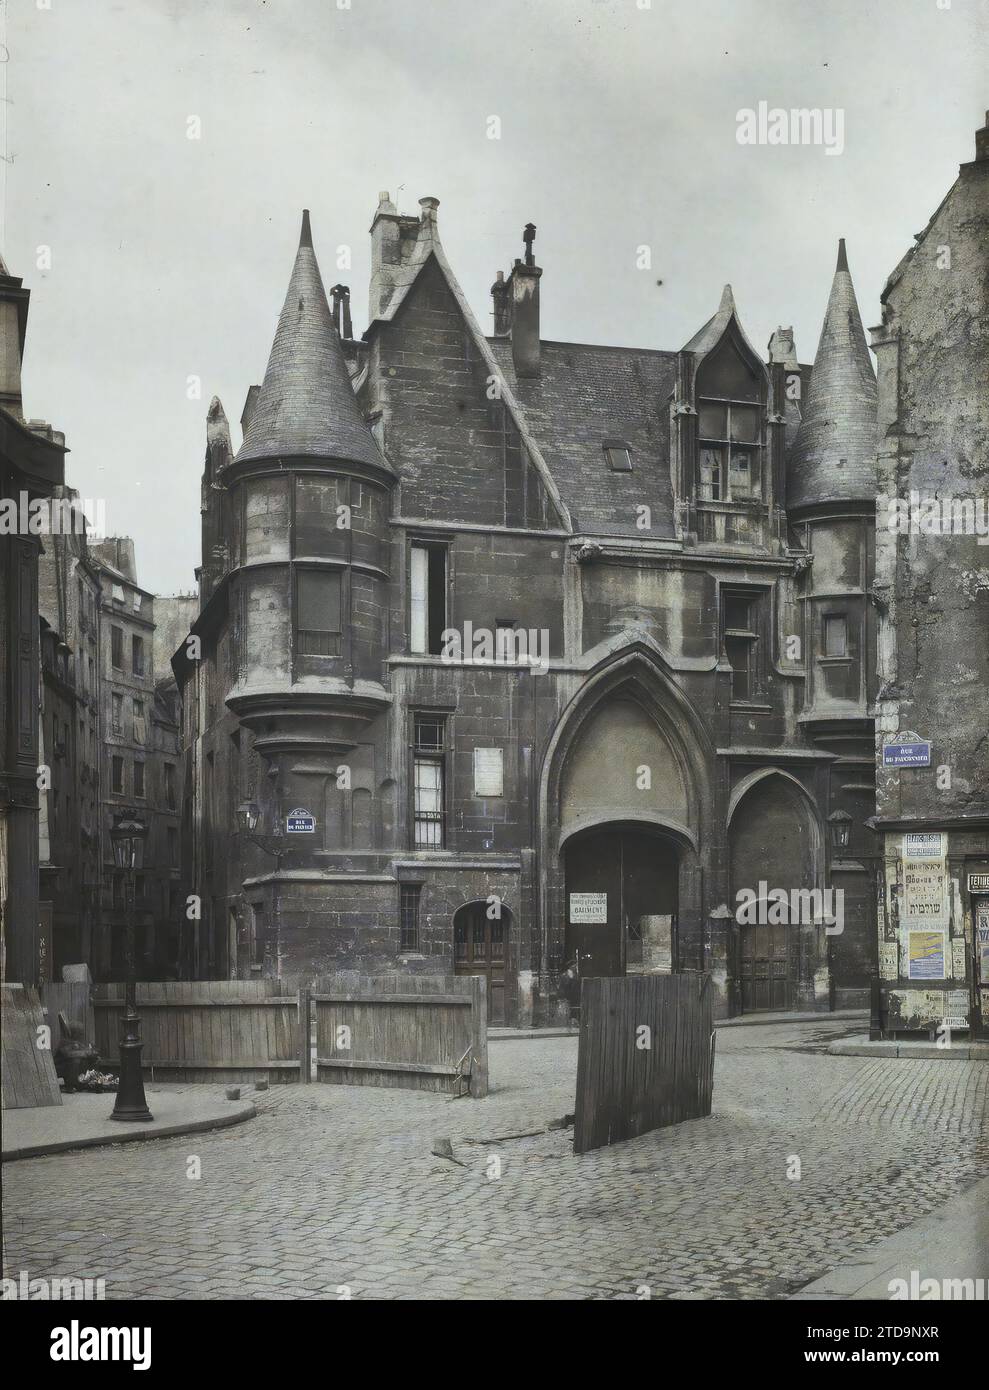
x: 907, y: 750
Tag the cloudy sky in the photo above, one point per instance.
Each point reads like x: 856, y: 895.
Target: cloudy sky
x: 170, y: 256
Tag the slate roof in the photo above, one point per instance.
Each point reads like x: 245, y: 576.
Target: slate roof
x: 834, y: 455
x: 306, y: 406
x: 585, y: 395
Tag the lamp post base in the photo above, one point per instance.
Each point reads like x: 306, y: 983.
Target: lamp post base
x: 131, y: 1103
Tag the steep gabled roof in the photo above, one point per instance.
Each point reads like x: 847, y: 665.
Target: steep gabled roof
x: 306, y: 406
x: 584, y: 395
x: 428, y: 248
x: 834, y: 456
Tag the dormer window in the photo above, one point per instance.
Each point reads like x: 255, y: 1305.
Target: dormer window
x: 618, y: 455
x: 729, y: 451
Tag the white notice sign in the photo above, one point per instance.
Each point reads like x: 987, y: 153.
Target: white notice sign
x: 589, y: 908
x: 488, y: 772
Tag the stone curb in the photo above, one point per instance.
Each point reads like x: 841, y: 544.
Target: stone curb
x: 232, y: 1114
x: 927, y: 1052
x: 748, y: 1021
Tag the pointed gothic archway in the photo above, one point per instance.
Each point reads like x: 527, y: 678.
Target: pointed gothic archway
x: 776, y: 842
x: 628, y: 760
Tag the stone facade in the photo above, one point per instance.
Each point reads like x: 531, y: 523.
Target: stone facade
x: 516, y: 652
x: 932, y: 589
x: 140, y: 773
x: 32, y: 465
x: 69, y: 593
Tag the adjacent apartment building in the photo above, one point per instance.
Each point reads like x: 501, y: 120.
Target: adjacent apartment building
x: 932, y: 592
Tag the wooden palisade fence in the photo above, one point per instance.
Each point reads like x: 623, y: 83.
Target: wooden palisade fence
x: 428, y: 1033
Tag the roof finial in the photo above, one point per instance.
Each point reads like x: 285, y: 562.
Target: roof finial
x: 842, y: 258
x: 305, y: 236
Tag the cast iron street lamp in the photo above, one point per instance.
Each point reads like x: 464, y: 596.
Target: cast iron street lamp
x: 248, y: 816
x: 128, y: 838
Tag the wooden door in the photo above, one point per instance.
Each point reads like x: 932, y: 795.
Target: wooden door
x: 764, y: 967
x: 480, y: 948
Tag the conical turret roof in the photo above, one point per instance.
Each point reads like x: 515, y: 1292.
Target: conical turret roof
x: 834, y: 455
x: 306, y: 406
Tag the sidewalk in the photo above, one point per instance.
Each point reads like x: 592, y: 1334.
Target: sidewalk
x: 961, y: 1051
x: 83, y: 1120
x: 951, y: 1242
x: 743, y: 1021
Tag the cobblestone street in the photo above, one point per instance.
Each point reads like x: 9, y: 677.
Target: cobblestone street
x: 334, y: 1190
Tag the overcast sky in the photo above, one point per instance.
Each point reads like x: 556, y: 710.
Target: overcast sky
x: 170, y: 257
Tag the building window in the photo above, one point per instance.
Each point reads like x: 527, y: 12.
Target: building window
x: 318, y: 612
x: 741, y: 640
x: 618, y: 455
x: 409, y: 916
x: 730, y: 451
x: 835, y: 638
x: 117, y: 776
x: 428, y: 781
x: 117, y: 648
x: 169, y: 777
x: 173, y: 847
x: 138, y: 777
x: 116, y: 714
x: 140, y: 735
x: 137, y: 655
x: 427, y: 617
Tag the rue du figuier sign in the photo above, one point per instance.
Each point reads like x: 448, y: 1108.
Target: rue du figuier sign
x: 300, y: 822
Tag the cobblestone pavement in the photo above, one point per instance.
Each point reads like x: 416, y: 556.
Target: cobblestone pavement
x: 333, y: 1190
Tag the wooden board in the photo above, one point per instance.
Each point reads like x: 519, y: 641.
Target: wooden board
x: 28, y: 1070
x: 406, y: 1031
x: 625, y: 1087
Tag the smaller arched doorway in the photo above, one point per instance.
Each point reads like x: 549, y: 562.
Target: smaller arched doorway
x: 621, y: 896
x: 480, y: 947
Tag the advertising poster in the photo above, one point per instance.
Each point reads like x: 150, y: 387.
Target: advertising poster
x: 925, y: 955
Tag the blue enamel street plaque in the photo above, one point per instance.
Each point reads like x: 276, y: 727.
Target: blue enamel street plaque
x: 906, y: 755
x: 300, y: 822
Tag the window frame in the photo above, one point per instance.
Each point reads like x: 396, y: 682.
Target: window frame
x: 431, y: 754
x: 301, y: 574
x: 409, y: 939
x: 432, y: 641
x: 726, y: 446
x: 752, y: 635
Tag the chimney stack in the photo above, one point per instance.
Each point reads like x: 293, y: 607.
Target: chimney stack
x: 524, y: 309
x: 502, y: 308
x: 393, y: 239
x: 341, y: 311
x: 982, y: 142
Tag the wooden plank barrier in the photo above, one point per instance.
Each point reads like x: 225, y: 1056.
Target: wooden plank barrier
x: 645, y: 1055
x: 28, y: 1070
x: 427, y: 1033
x: 207, y: 1030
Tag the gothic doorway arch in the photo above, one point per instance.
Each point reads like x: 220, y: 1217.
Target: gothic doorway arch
x: 480, y: 947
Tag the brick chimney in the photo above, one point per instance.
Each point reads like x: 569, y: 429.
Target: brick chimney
x: 502, y: 307
x: 523, y: 298
x: 982, y: 142
x: 393, y: 238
